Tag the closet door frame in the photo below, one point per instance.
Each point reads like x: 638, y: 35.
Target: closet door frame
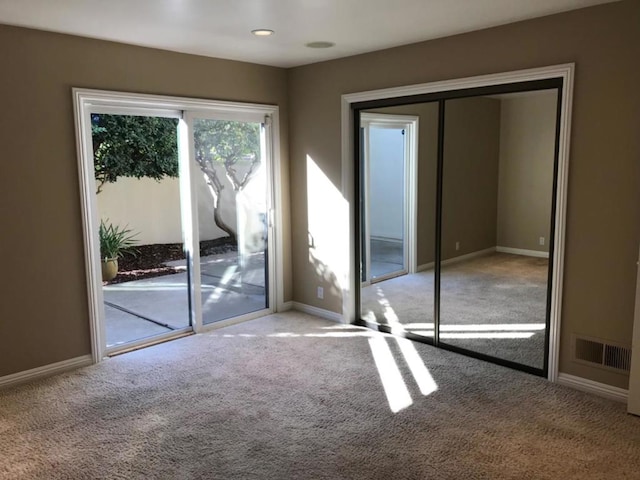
x: 439, y: 91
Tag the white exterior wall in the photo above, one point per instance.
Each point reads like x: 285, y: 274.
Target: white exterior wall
x: 152, y: 208
x: 386, y: 183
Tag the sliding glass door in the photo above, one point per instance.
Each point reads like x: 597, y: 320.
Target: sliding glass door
x: 386, y: 167
x: 231, y: 181
x: 179, y: 192
x: 145, y: 285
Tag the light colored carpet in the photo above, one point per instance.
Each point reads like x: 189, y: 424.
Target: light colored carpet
x: 493, y: 304
x: 290, y: 396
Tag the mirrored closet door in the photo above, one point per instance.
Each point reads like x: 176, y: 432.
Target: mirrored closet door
x: 398, y: 161
x: 497, y: 190
x: 483, y: 224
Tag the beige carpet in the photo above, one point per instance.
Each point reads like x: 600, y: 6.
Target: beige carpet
x: 493, y: 304
x: 293, y: 397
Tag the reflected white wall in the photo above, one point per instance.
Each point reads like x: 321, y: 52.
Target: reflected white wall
x: 386, y: 183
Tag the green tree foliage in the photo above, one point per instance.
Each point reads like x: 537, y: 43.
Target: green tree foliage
x: 229, y: 147
x: 133, y: 146
x: 234, y: 145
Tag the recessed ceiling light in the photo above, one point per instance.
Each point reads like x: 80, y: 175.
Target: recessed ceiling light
x: 320, y: 44
x: 262, y: 32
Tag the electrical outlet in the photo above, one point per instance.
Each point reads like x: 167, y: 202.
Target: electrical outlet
x: 457, y: 246
x: 320, y: 293
x: 541, y: 240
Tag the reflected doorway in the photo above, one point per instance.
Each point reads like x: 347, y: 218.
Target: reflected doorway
x: 388, y: 195
x: 395, y: 301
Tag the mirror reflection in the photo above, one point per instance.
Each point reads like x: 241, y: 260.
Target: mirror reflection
x: 496, y: 221
x: 399, y: 158
x: 497, y: 193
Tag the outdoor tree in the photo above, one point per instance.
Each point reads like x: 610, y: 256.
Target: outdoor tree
x: 147, y: 147
x: 229, y: 147
x: 133, y: 146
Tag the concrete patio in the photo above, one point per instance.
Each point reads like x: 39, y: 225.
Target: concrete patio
x: 152, y: 306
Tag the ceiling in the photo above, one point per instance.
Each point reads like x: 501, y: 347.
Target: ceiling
x: 221, y: 28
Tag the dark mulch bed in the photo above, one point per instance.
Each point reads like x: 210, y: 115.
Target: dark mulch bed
x: 150, y: 260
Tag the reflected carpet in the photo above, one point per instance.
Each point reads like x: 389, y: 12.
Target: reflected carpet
x: 493, y: 304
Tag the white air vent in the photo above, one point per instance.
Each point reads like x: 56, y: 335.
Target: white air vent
x: 601, y: 353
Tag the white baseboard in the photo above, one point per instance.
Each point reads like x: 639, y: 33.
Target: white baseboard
x: 285, y: 306
x: 480, y: 253
x: 597, y: 388
x: 425, y: 266
x: 318, y: 312
x: 45, y: 371
x: 461, y: 258
x: 522, y: 251
x: 469, y: 256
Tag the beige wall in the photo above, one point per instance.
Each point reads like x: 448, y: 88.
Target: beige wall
x: 525, y: 187
x: 470, y: 175
x: 44, y: 309
x: 604, y: 172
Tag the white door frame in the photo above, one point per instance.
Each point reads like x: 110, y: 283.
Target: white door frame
x: 87, y: 101
x: 410, y: 124
x: 566, y: 73
x: 633, y: 403
x: 191, y: 172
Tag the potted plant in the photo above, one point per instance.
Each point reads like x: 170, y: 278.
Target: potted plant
x: 114, y: 242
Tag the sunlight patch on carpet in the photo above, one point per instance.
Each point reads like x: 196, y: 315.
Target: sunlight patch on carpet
x: 420, y: 372
x: 394, y: 387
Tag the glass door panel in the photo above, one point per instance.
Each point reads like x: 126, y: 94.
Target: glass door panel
x: 387, y: 202
x: 232, y: 207
x: 145, y: 281
x: 497, y: 191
